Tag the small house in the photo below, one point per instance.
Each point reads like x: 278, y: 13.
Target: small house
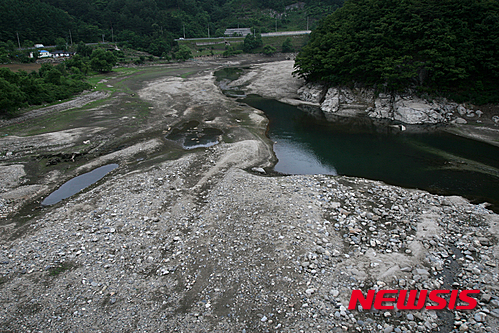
x: 45, y: 54
x: 61, y: 54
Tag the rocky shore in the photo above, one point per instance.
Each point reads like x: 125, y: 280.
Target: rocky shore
x: 206, y: 240
x: 407, y: 109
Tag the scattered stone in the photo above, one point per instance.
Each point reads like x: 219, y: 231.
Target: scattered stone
x: 480, y: 316
x: 260, y: 170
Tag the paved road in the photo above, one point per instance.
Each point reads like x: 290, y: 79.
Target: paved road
x: 287, y: 33
x: 269, y: 34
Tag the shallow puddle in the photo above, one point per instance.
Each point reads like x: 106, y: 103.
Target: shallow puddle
x: 77, y: 184
x: 191, y: 135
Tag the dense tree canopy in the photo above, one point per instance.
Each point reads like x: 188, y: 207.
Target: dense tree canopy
x: 184, y: 53
x: 148, y: 25
x: 252, y: 42
x: 447, y: 46
x: 32, y: 20
x: 287, y: 46
x: 102, y: 60
x: 47, y: 85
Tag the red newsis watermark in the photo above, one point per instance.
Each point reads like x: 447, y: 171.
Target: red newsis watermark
x: 416, y: 300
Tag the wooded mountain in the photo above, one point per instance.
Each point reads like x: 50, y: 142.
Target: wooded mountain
x: 149, y: 25
x: 446, y: 46
x: 32, y: 20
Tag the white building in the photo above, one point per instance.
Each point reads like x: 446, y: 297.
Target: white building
x: 45, y: 54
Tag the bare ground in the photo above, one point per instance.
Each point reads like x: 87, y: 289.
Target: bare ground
x: 194, y: 241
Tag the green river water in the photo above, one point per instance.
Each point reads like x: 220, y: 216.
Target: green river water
x: 424, y: 158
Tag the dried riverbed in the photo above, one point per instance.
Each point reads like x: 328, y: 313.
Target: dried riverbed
x: 203, y: 240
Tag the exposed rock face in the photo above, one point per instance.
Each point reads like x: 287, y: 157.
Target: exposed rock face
x: 331, y: 101
x: 347, y: 102
x: 412, y: 110
x: 311, y: 92
x: 382, y: 107
x: 407, y: 109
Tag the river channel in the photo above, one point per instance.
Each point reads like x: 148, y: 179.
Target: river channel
x: 418, y: 157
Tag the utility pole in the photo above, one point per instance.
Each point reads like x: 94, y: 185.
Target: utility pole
x: 275, y: 22
x: 18, y: 42
x: 307, y: 22
x: 208, y: 31
x: 70, y: 37
x: 112, y: 34
x: 103, y: 38
x: 184, y: 30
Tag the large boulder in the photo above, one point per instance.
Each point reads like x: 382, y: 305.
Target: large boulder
x: 331, y: 100
x: 413, y: 110
x: 382, y: 107
x: 311, y: 92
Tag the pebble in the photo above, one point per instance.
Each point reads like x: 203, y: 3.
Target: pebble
x: 480, y: 316
x: 161, y: 248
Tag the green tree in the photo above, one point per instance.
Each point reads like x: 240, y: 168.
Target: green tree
x: 45, y: 69
x: 140, y: 61
x: 10, y: 45
x: 269, y: 50
x: 102, y: 60
x: 11, y: 97
x: 252, y: 42
x: 83, y: 49
x: 60, y: 44
x: 77, y: 61
x: 4, y: 55
x: 230, y: 51
x: 53, y: 76
x: 158, y: 47
x: 166, y: 56
x: 183, y: 53
x: 28, y: 44
x: 287, y: 46
x: 447, y: 47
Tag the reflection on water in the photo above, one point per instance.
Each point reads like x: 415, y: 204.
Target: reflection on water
x: 77, y: 184
x: 303, y: 161
x: 417, y: 158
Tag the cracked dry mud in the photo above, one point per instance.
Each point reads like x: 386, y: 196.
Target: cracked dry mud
x: 199, y: 242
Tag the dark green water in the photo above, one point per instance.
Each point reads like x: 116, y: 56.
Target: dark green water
x: 432, y: 160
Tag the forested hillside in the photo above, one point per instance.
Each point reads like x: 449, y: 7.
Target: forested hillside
x: 149, y: 25
x: 32, y: 20
x: 449, y: 47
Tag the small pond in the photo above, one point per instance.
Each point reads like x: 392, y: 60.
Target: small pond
x: 77, y: 184
x: 191, y: 135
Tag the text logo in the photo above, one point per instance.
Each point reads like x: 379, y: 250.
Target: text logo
x: 416, y: 300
